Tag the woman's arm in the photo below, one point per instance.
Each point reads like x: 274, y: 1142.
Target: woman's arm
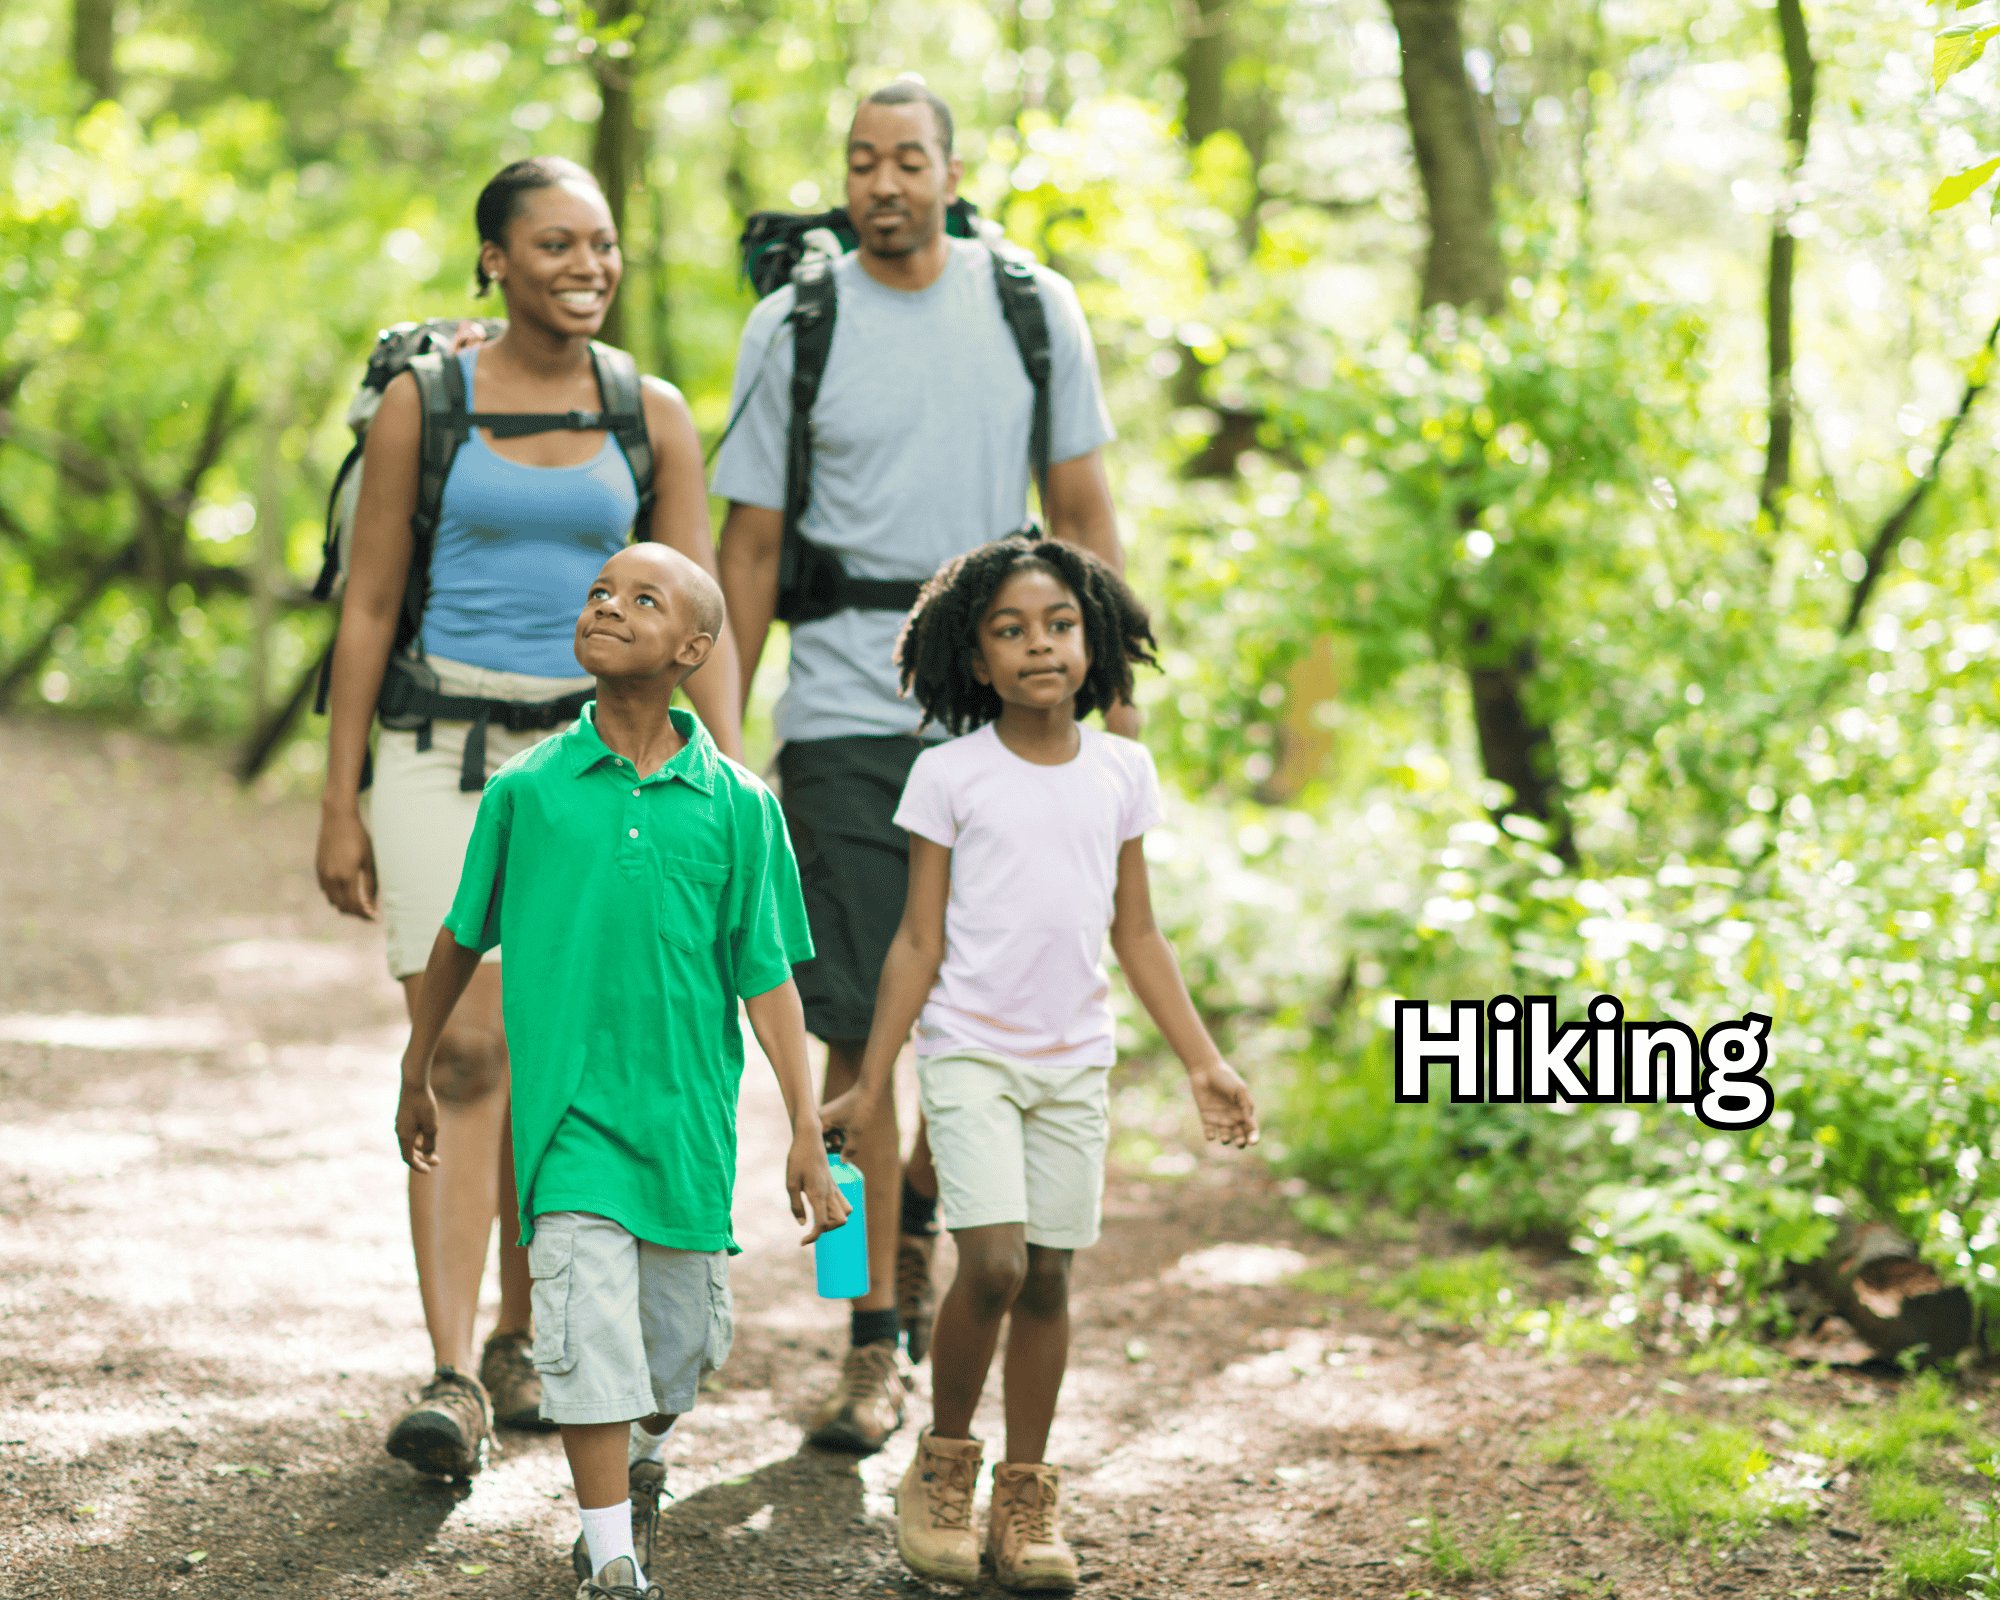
x: 680, y: 519
x: 915, y: 955
x: 378, y: 570
x: 1148, y: 963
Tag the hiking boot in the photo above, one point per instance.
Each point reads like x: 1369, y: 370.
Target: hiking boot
x: 1023, y: 1540
x: 646, y: 1482
x: 512, y: 1383
x: 916, y: 1302
x: 446, y: 1433
x: 868, y: 1406
x: 618, y: 1581
x: 934, y: 1532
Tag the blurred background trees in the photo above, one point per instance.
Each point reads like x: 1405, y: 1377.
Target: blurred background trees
x: 1550, y: 436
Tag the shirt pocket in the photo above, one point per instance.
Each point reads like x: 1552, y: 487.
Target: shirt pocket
x: 690, y: 901
x: 551, y: 1264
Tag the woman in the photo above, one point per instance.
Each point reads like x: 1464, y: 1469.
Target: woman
x: 524, y: 524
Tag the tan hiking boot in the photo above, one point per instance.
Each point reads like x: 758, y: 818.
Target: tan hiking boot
x: 934, y: 1532
x: 916, y: 1300
x: 868, y: 1406
x: 512, y: 1383
x: 446, y: 1432
x: 1023, y: 1539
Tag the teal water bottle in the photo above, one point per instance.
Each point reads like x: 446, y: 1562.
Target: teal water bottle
x: 840, y: 1256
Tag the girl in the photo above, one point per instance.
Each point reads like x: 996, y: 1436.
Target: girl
x: 525, y: 524
x: 1025, y: 845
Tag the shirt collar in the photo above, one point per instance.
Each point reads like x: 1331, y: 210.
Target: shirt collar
x: 695, y: 765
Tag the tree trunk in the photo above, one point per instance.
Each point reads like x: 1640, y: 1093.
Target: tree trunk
x: 1203, y: 62
x: 614, y: 151
x: 1462, y: 265
x: 93, y: 33
x: 1784, y: 261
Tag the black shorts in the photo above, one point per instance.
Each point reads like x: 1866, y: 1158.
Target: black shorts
x: 839, y: 798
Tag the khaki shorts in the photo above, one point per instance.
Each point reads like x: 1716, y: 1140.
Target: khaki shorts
x: 420, y: 819
x: 623, y: 1329
x: 1015, y: 1142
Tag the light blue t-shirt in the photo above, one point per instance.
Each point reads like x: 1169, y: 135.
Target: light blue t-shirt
x: 516, y: 550
x: 920, y: 452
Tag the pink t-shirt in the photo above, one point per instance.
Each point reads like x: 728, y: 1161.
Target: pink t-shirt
x: 1034, y: 869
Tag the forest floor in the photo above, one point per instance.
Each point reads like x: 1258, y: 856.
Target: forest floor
x: 208, y: 1315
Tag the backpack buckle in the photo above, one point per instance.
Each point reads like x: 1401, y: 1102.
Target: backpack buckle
x: 583, y: 421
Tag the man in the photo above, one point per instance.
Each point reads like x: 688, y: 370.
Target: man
x: 920, y: 451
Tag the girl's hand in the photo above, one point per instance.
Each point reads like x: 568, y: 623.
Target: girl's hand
x: 345, y: 863
x: 1227, y: 1112
x: 849, y: 1112
x: 417, y: 1128
x: 810, y: 1183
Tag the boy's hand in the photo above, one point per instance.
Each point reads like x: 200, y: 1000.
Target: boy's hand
x: 1223, y: 1098
x: 417, y: 1128
x: 809, y: 1183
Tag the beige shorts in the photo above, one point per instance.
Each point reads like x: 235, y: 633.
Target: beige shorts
x: 420, y: 819
x: 623, y: 1328
x: 1016, y: 1142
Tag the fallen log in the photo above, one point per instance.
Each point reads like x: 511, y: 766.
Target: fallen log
x: 1874, y: 1280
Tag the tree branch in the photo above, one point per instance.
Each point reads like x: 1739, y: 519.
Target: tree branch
x: 1899, y: 519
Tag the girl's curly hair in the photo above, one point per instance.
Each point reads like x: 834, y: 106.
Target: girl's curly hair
x: 940, y: 638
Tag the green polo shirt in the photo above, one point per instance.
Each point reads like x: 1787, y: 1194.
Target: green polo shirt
x: 635, y: 911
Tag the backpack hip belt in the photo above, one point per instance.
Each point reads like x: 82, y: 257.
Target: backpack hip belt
x: 411, y: 701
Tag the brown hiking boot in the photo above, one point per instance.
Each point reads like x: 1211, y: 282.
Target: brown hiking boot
x: 916, y: 1302
x: 447, y: 1432
x: 512, y: 1383
x: 868, y: 1406
x: 934, y: 1532
x: 1027, y: 1548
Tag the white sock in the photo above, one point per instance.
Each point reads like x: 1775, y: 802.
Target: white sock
x: 649, y: 1446
x: 607, y: 1534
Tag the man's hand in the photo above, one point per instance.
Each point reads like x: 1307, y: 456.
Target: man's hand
x: 345, y: 863
x: 417, y: 1127
x: 809, y: 1182
x: 1122, y: 720
x: 1227, y: 1112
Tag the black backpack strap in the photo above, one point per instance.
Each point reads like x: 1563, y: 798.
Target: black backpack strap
x: 1028, y: 320
x: 625, y: 416
x: 447, y: 421
x: 804, y: 570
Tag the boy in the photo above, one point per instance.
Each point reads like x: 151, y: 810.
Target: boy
x: 642, y: 883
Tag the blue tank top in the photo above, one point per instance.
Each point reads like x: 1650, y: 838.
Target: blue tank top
x: 516, y: 549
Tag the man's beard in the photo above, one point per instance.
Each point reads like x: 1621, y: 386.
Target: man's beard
x: 905, y: 241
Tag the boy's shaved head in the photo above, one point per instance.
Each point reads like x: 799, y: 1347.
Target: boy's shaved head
x: 650, y: 613
x: 688, y: 579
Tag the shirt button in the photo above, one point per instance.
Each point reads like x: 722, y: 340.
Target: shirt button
x: 632, y: 833
x: 635, y: 794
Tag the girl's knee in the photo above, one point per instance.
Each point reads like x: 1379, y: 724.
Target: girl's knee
x: 470, y: 1064
x: 992, y: 1276
x: 1044, y: 1283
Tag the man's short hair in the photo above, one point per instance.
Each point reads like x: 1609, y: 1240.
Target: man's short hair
x: 909, y: 92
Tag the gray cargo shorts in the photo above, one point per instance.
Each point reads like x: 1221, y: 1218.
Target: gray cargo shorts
x: 623, y: 1328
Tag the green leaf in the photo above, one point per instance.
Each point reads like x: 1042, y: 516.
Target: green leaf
x: 1960, y: 185
x: 195, y: 1558
x: 1957, y: 48
x: 472, y: 1569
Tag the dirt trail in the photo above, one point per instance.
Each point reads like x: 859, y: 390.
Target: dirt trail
x: 207, y: 1311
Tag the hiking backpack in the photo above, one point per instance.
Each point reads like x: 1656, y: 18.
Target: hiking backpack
x: 780, y: 247
x: 410, y: 698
